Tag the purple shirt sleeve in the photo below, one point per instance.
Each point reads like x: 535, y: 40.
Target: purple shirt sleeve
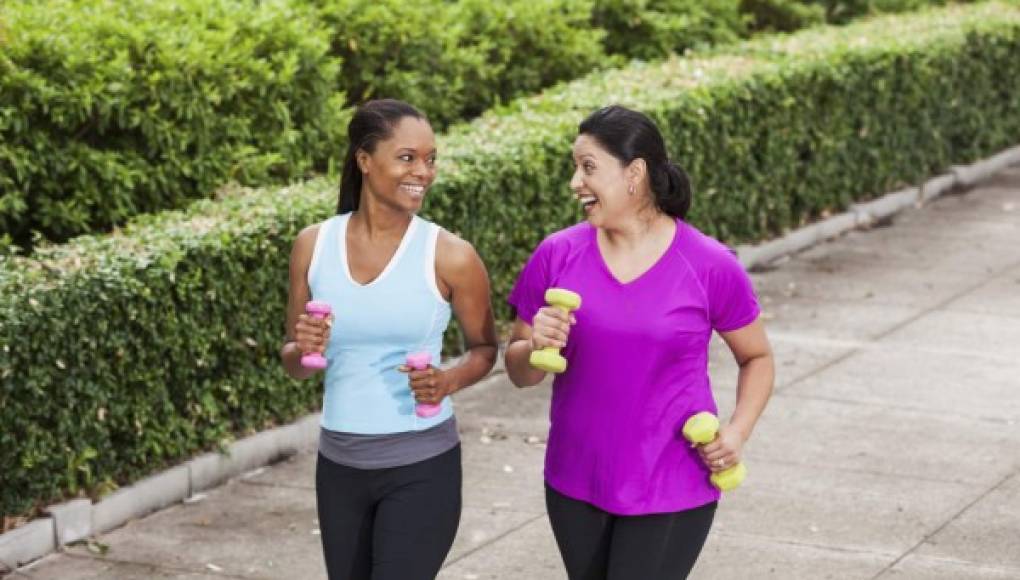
x: 732, y: 302
x: 528, y: 293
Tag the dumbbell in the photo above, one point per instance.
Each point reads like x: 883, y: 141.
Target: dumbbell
x: 320, y: 310
x: 549, y: 358
x: 701, y: 429
x: 420, y: 361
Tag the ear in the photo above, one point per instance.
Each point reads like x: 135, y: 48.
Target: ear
x: 363, y: 159
x: 637, y: 172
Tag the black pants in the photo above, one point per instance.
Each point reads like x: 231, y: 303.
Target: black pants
x: 388, y: 524
x: 596, y: 545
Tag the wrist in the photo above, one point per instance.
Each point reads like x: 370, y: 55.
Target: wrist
x: 449, y: 380
x: 741, y: 428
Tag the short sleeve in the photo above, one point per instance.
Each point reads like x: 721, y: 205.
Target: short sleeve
x: 528, y: 293
x: 732, y: 301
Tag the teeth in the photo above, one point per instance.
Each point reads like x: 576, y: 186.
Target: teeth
x: 413, y: 189
x: 587, y: 199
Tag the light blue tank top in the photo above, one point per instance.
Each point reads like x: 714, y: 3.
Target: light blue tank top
x: 376, y: 325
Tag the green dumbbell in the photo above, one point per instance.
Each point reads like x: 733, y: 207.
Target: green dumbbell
x: 549, y: 358
x: 701, y: 429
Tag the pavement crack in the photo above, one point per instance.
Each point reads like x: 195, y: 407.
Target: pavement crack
x: 945, y: 524
x: 495, y: 539
x: 899, y: 325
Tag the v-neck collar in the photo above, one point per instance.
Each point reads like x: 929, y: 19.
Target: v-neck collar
x: 404, y: 241
x: 656, y: 265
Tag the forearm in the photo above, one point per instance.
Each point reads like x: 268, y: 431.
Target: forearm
x: 290, y: 356
x: 754, y: 387
x: 518, y: 368
x: 473, y: 366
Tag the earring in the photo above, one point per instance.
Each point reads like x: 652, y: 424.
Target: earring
x: 630, y: 189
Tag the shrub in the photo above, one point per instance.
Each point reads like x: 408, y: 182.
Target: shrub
x: 782, y: 15
x: 651, y: 29
x: 110, y: 108
x: 454, y: 60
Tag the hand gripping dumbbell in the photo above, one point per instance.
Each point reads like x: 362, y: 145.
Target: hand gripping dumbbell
x: 420, y: 361
x: 549, y: 358
x: 320, y: 310
x: 701, y: 429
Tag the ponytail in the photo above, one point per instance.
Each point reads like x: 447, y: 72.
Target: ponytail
x: 675, y: 199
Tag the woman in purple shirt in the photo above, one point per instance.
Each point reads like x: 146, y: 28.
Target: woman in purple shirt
x: 627, y: 496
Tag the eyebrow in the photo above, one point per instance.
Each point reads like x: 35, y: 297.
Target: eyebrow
x: 413, y: 150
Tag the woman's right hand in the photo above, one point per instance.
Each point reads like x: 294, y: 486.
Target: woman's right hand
x: 312, y: 334
x: 550, y: 328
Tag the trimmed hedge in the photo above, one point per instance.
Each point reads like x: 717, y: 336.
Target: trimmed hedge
x: 454, y: 60
x: 111, y: 108
x: 123, y: 353
x: 789, y: 15
x: 651, y: 29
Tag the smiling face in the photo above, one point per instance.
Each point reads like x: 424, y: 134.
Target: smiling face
x: 602, y: 183
x: 401, y: 168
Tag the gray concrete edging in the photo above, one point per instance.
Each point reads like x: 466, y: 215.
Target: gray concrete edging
x: 865, y: 214
x: 80, y: 518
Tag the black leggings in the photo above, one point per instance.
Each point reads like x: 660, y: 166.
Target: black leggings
x: 596, y: 545
x: 388, y: 524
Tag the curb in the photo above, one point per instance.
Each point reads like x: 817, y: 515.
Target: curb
x: 863, y: 215
x: 80, y: 518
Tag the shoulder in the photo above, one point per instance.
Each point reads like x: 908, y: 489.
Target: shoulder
x: 567, y: 240
x: 304, y: 242
x: 703, y: 252
x: 454, y: 253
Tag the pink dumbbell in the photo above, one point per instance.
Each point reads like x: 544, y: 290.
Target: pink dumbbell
x: 420, y: 361
x: 314, y: 360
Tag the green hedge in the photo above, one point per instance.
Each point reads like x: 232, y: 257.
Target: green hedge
x: 789, y: 15
x: 123, y: 353
x: 454, y: 60
x: 119, y: 354
x: 651, y: 29
x: 111, y: 108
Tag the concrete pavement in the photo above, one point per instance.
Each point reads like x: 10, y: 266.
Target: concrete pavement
x: 890, y: 450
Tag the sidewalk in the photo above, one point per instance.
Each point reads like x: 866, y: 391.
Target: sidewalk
x: 890, y: 450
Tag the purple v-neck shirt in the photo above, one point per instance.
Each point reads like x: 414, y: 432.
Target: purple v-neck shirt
x: 637, y: 367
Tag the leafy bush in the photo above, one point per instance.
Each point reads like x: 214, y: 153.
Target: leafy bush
x: 651, y: 29
x: 113, y: 108
x: 456, y: 59
x: 110, y: 108
x: 782, y: 15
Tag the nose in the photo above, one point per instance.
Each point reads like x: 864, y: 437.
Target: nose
x: 576, y: 183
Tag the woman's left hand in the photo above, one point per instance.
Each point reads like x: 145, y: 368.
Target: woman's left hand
x: 724, y: 452
x: 429, y: 385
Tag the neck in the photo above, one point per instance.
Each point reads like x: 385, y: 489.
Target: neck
x: 636, y: 231
x: 378, y: 220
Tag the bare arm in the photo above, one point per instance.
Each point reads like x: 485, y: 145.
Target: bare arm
x: 462, y: 278
x: 304, y: 334
x: 518, y: 349
x: 751, y: 349
x: 551, y: 328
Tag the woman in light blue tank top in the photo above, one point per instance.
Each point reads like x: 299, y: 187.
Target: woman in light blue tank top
x: 388, y: 481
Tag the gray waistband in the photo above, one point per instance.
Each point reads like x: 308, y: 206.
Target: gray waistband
x: 389, y: 450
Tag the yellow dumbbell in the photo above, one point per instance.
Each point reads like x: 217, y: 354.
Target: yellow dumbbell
x: 549, y: 359
x: 701, y: 429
